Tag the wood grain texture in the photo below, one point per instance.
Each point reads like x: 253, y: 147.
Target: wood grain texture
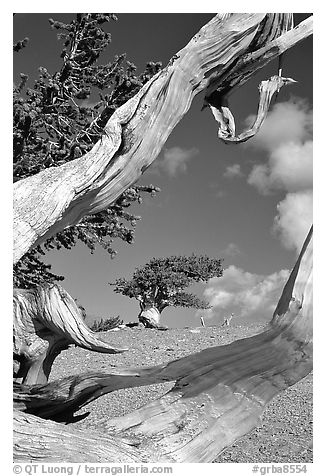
x: 224, y: 117
x: 38, y: 441
x: 134, y: 135
x: 219, y: 394
x: 45, y: 321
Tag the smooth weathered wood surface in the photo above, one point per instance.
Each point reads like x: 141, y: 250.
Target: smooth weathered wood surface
x: 224, y: 117
x: 38, y: 441
x: 47, y: 320
x: 220, y: 393
x: 223, y: 55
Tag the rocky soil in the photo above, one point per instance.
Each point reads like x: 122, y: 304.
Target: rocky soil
x: 285, y: 433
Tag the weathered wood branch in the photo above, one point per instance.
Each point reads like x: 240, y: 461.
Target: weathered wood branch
x: 224, y: 117
x: 39, y: 441
x: 271, y: 45
x: 221, y: 56
x: 47, y: 320
x: 219, y: 394
x: 278, y: 38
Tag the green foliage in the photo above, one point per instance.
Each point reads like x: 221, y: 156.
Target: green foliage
x: 61, y: 118
x: 106, y: 324
x: 161, y: 282
x: 30, y: 271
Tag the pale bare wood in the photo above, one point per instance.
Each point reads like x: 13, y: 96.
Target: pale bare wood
x: 150, y: 317
x: 220, y: 393
x: 265, y: 50
x: 47, y: 320
x: 224, y: 117
x: 38, y: 441
x: 133, y: 137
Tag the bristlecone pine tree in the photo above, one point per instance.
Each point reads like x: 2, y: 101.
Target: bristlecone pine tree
x: 161, y: 283
x: 61, y: 118
x: 220, y: 393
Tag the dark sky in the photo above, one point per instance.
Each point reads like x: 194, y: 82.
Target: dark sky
x: 250, y: 204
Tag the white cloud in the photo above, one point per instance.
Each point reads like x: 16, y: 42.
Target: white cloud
x: 294, y: 218
x: 289, y: 121
x: 249, y: 296
x: 175, y: 160
x: 233, y: 171
x: 289, y: 168
x: 286, y: 136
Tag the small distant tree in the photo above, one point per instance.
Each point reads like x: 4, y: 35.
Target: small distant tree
x: 161, y: 283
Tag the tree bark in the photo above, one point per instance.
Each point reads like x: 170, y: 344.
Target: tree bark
x: 39, y: 441
x: 223, y: 55
x: 150, y: 317
x: 220, y: 392
x: 47, y: 320
x: 222, y: 114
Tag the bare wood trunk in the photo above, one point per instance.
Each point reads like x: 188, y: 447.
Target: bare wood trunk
x: 46, y: 321
x: 150, y: 317
x: 222, y: 56
x: 39, y: 441
x: 219, y: 393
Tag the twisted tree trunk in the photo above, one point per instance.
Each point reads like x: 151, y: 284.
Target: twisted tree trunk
x: 219, y: 393
x: 150, y: 317
x: 223, y: 55
x: 46, y: 321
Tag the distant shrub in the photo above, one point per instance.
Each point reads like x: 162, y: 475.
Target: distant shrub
x: 106, y: 324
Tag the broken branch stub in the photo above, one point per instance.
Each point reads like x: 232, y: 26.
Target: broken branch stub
x: 47, y: 320
x: 223, y: 115
x: 275, y: 35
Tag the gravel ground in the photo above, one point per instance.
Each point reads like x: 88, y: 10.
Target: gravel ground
x: 285, y: 433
